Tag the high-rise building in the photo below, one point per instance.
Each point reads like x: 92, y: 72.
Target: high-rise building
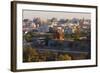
x: 59, y: 34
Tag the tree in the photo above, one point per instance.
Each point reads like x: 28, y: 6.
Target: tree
x: 37, y: 21
x: 29, y: 53
x: 62, y: 21
x: 64, y: 57
x: 25, y: 20
x: 28, y: 36
x: 77, y: 33
x: 53, y: 19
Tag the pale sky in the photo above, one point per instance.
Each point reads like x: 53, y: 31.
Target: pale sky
x: 29, y: 14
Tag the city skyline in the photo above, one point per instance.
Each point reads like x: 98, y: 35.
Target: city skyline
x: 57, y: 39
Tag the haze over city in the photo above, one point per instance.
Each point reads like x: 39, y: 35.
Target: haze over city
x: 29, y: 14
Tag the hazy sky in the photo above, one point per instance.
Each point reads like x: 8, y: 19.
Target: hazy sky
x: 29, y: 14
